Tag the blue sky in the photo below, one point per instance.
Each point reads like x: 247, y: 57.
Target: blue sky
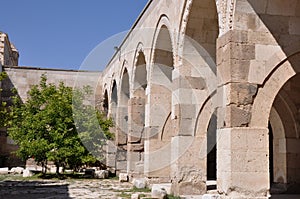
x: 61, y: 33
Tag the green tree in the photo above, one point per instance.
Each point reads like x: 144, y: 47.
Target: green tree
x: 44, y: 127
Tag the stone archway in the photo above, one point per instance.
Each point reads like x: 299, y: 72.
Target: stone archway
x: 245, y: 150
x: 211, y: 165
x: 194, y: 95
x: 137, y: 117
x: 284, y: 120
x: 113, y: 101
x: 159, y: 124
x: 105, y: 103
x: 122, y: 122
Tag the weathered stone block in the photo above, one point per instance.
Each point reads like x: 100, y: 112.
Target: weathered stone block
x: 4, y: 171
x: 237, y: 116
x: 110, y: 147
x: 123, y: 177
x: 27, y: 173
x: 121, y: 155
x: 211, y: 196
x: 140, y: 183
x: 241, y: 93
x: 17, y: 170
x: 233, y: 70
x: 110, y: 160
x: 136, y: 147
x: 121, y: 133
x: 121, y: 166
x: 160, y: 191
x: 135, y: 196
x: 102, y: 174
x: 133, y: 158
x: 189, y: 188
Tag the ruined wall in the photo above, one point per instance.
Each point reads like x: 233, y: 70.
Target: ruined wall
x: 9, y: 55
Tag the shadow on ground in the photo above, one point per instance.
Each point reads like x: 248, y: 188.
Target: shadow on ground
x: 285, y: 196
x: 33, y: 190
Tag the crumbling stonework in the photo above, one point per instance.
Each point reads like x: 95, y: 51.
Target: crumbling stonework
x: 9, y: 55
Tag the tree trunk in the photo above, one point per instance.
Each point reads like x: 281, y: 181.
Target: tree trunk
x: 57, y: 168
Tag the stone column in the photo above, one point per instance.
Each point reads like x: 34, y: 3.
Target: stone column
x: 243, y: 151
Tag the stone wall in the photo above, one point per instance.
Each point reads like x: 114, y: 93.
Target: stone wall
x: 22, y: 78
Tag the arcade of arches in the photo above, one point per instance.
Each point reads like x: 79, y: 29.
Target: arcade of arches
x: 212, y: 95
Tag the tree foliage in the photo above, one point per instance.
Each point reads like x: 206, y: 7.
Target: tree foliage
x: 45, y: 126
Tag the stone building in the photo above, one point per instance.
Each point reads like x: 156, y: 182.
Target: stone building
x: 209, y: 90
x: 206, y: 91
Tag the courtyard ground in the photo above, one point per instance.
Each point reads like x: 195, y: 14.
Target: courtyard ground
x: 66, y: 189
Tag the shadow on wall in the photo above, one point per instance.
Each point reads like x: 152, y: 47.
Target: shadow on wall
x: 282, y: 20
x: 7, y: 146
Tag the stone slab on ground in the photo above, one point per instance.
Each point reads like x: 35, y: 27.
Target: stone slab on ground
x: 27, y: 173
x: 17, y: 170
x: 164, y: 186
x: 102, y: 174
x: 210, y: 196
x: 4, y: 171
x: 160, y: 191
x: 123, y: 177
x: 140, y: 183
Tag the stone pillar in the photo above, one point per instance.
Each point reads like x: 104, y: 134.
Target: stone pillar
x: 188, y: 146
x: 243, y: 162
x: 243, y: 151
x: 121, y: 139
x: 110, y: 155
x: 159, y: 130
x: 188, y: 170
x: 135, y: 153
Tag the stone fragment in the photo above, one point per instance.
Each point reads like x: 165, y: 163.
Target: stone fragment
x: 4, y: 171
x: 158, y: 191
x: 27, y: 173
x: 123, y: 177
x: 210, y: 196
x: 102, y: 174
x: 17, y: 170
x: 140, y: 183
x: 135, y: 196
